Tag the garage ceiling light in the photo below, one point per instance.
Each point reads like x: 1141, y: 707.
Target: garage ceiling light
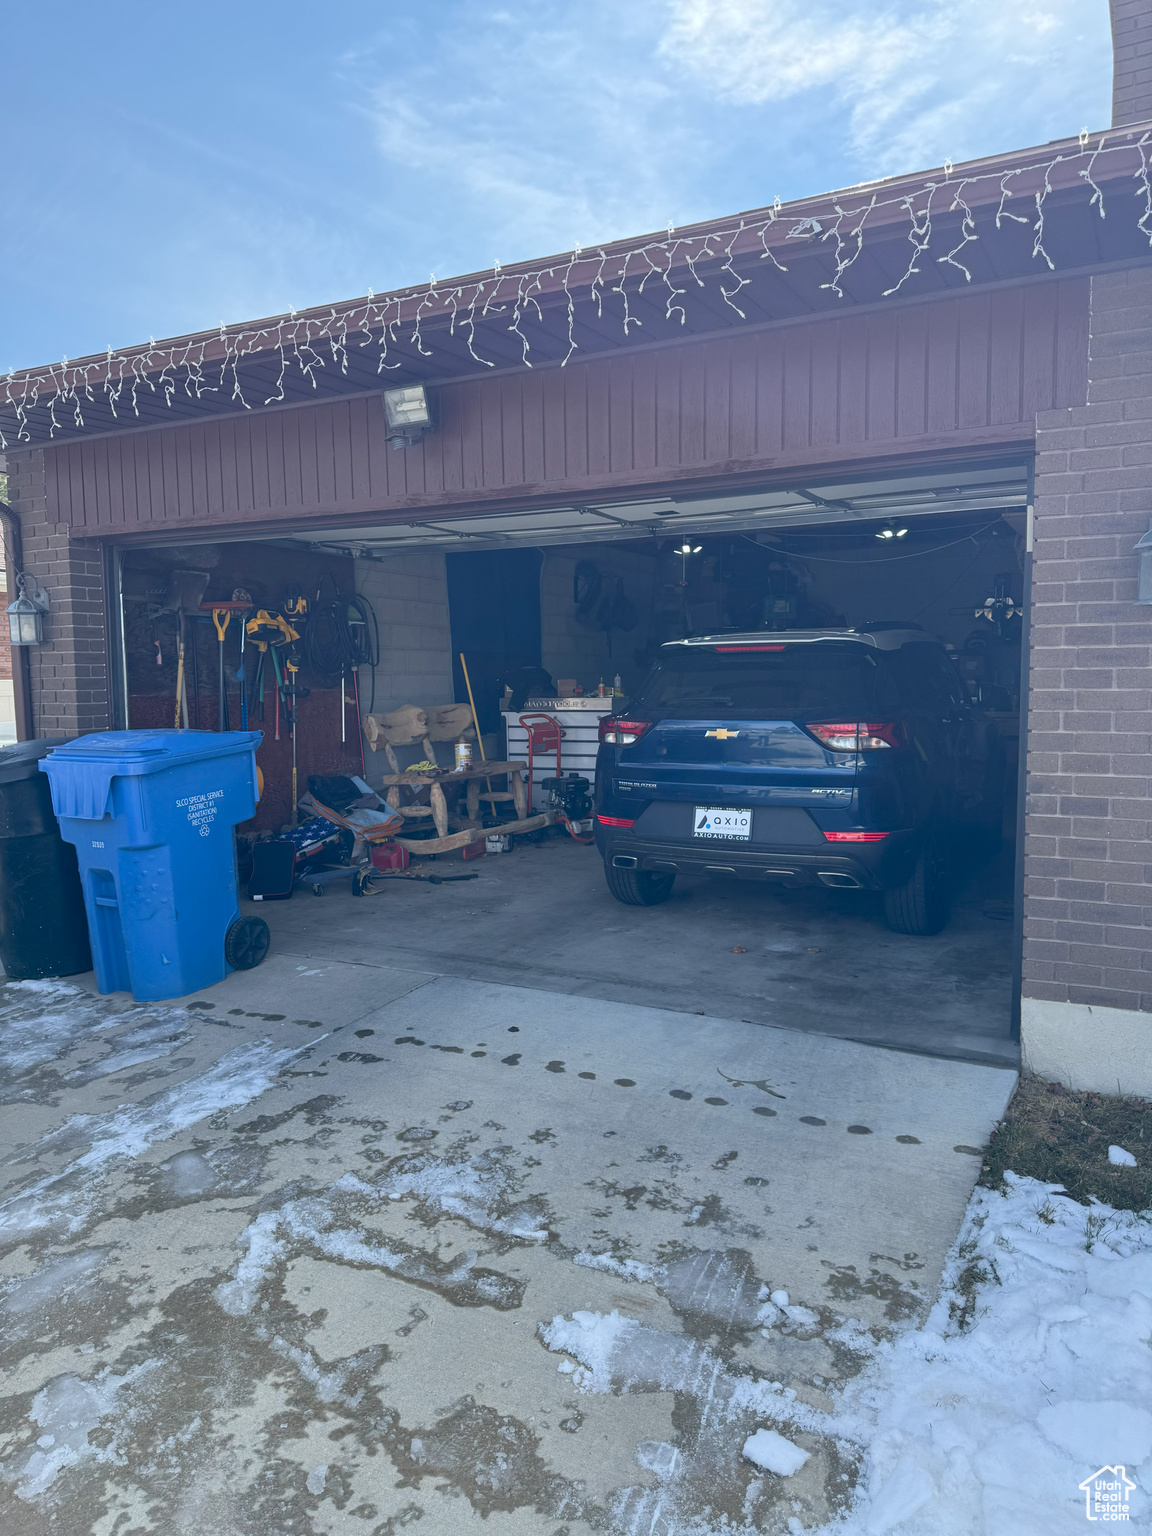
x: 890, y: 532
x: 408, y: 413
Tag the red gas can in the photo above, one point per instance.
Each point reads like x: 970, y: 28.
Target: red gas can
x: 389, y: 856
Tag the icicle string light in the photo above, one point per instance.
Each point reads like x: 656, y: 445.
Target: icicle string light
x: 609, y: 280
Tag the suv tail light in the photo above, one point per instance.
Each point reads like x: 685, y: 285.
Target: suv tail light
x: 622, y: 733
x: 856, y: 735
x: 855, y: 837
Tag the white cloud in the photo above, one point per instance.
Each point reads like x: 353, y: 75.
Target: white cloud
x: 919, y: 81
x: 552, y: 126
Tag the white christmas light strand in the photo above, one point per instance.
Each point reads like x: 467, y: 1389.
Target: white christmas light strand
x: 311, y: 343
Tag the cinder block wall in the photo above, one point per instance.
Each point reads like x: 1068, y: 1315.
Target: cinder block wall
x: 410, y: 595
x: 69, y: 672
x: 1087, y: 978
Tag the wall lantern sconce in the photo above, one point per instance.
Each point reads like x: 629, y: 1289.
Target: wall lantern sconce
x: 1143, y: 547
x: 26, y: 614
x: 408, y: 414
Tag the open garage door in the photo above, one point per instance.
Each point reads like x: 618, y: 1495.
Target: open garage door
x: 566, y: 610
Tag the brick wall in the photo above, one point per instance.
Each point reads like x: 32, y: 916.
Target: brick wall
x: 1132, y: 61
x: 1088, y: 902
x: 69, y: 672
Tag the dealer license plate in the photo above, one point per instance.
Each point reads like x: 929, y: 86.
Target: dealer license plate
x: 715, y: 821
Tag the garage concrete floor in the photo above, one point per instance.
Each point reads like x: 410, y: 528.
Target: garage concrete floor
x: 339, y: 1247
x: 814, y: 960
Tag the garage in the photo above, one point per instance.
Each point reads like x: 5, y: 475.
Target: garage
x: 801, y: 420
x: 561, y: 614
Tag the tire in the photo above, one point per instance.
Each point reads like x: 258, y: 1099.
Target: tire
x: 920, y: 905
x: 317, y: 889
x: 637, y: 887
x: 246, y: 943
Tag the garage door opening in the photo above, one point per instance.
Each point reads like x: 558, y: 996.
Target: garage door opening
x: 566, y: 611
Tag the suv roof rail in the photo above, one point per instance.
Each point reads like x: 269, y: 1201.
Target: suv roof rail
x: 878, y: 626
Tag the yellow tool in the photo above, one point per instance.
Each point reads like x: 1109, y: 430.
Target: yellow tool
x: 476, y: 724
x: 266, y: 626
x: 222, y: 617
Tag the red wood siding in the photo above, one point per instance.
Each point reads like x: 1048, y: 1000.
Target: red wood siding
x: 942, y: 377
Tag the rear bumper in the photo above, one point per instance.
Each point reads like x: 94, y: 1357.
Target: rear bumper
x: 848, y: 866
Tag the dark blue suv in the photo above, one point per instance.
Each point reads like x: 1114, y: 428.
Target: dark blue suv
x: 845, y: 757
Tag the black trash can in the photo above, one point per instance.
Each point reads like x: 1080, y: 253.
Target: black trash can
x: 43, y: 927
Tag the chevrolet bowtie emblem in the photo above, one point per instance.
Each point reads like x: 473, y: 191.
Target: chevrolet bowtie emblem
x: 723, y: 735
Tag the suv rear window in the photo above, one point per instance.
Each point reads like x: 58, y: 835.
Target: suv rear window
x: 826, y: 679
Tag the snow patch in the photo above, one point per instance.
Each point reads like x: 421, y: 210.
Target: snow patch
x: 1099, y: 1431
x: 623, y: 1269
x: 1119, y: 1158
x: 67, y: 1410
x: 479, y: 1192
x: 53, y: 1280
x: 1031, y: 1371
x: 68, y: 1201
x: 619, y: 1354
x: 324, y: 1224
x: 773, y: 1453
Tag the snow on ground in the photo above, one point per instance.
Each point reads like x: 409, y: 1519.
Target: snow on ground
x: 43, y: 1020
x: 66, y: 1202
x: 991, y: 1428
x: 1032, y: 1372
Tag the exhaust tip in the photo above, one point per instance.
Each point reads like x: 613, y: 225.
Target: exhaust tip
x: 624, y: 861
x: 838, y: 879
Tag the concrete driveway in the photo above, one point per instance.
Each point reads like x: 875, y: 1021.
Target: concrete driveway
x: 816, y: 959
x: 343, y: 1247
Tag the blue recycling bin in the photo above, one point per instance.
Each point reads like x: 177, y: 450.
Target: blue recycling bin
x: 151, y: 815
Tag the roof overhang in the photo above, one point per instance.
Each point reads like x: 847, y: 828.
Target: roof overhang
x: 1008, y: 217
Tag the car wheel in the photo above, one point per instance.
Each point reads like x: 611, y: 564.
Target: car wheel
x: 920, y: 905
x: 637, y: 887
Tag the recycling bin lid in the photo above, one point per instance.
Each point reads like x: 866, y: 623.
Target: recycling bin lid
x: 22, y: 761
x: 140, y: 752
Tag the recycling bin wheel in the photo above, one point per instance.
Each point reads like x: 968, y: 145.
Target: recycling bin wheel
x: 246, y: 943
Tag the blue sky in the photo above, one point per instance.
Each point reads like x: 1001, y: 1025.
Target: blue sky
x: 170, y: 167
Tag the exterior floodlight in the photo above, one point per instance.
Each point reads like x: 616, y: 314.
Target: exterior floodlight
x: 408, y: 414
x: 890, y: 532
x: 26, y: 615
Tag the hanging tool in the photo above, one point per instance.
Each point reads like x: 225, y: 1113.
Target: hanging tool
x: 279, y: 690
x: 258, y: 681
x: 241, y: 595
x: 195, y: 669
x: 180, y: 684
x: 476, y: 727
x: 292, y: 670
x: 181, y: 676
x: 359, y: 722
x: 221, y: 617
